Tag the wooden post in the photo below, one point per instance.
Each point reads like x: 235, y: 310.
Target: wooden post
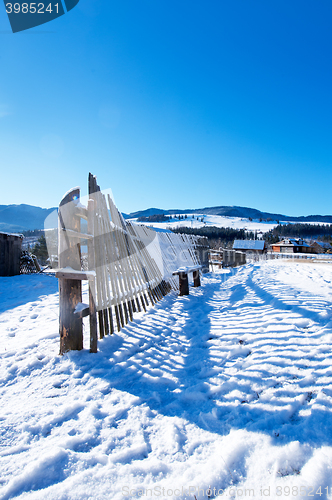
x: 93, y: 317
x: 70, y: 290
x: 92, y: 284
x: 197, y: 278
x: 183, y: 284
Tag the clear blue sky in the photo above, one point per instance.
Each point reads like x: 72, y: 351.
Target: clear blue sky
x: 172, y: 104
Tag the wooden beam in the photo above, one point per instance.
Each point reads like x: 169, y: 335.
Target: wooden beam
x: 75, y: 275
x: 76, y: 234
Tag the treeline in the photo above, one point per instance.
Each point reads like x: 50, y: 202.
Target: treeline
x: 322, y: 231
x: 154, y: 218
x: 218, y: 236
x: 224, y: 236
x: 167, y: 218
x: 39, y: 247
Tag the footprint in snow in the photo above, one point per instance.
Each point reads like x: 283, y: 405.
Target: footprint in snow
x: 34, y: 316
x: 11, y: 331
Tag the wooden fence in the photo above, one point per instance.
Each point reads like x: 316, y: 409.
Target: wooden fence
x: 300, y: 257
x: 129, y: 266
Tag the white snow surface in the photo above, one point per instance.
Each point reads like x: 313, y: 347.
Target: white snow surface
x: 228, y: 388
x: 219, y: 221
x: 213, y: 220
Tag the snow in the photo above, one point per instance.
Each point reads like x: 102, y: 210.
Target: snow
x: 219, y: 221
x: 70, y: 270
x: 187, y: 269
x: 228, y: 388
x: 81, y: 307
x: 212, y: 220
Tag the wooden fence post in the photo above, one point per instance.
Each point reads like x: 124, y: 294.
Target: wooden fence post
x: 70, y: 290
x: 92, y: 283
x: 197, y: 278
x: 183, y: 284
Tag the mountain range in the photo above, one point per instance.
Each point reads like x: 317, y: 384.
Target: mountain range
x: 18, y: 218
x: 233, y: 211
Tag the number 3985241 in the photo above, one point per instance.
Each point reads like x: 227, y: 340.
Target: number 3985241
x: 31, y: 8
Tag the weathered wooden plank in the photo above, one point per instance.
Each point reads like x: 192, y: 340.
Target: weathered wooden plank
x: 70, y: 290
x: 71, y: 334
x: 75, y: 275
x: 92, y: 284
x: 93, y: 318
x: 122, y: 242
x: 111, y: 320
x: 100, y: 262
x: 101, y: 324
x: 76, y: 234
x: 106, y: 325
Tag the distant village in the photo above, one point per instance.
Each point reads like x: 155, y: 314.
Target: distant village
x: 24, y: 253
x: 287, y: 245
x: 298, y: 238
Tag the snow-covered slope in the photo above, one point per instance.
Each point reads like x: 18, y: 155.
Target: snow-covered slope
x: 228, y: 388
x: 234, y: 211
x: 15, y: 218
x: 201, y: 220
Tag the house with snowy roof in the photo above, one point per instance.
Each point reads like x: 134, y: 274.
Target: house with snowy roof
x: 292, y: 245
x: 320, y: 246
x: 252, y: 246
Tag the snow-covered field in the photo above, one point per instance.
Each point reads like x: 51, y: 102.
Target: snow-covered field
x: 195, y: 221
x: 228, y: 388
x: 201, y: 220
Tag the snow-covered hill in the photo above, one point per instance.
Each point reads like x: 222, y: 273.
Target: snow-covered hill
x: 228, y: 388
x: 194, y: 220
x: 201, y: 220
x: 234, y: 211
x: 16, y: 218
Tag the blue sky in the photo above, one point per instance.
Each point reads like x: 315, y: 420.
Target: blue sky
x: 172, y: 104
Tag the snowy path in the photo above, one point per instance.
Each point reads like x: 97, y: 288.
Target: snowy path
x: 230, y: 387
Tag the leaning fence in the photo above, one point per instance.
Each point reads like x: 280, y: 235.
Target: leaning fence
x: 128, y: 266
